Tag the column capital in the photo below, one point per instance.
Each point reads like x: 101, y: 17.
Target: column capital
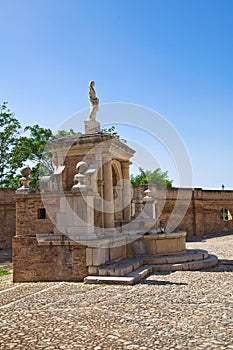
x: 125, y: 163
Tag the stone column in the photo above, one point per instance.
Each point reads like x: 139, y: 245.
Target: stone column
x: 100, y: 183
x: 119, y: 200
x: 108, y: 194
x: 126, y: 191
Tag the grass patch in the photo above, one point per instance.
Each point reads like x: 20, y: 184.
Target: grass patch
x: 4, y: 272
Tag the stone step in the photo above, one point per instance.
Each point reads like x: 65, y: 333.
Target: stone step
x: 130, y: 279
x: 127, y: 265
x: 139, y: 271
x: 109, y: 280
x: 205, y: 263
x: 188, y: 255
x: 121, y: 268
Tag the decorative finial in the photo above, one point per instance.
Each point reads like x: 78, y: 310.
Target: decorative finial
x: 25, y: 180
x: 80, y: 177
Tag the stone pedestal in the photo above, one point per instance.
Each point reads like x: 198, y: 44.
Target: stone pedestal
x: 91, y: 126
x: 149, y: 208
x: 76, y: 217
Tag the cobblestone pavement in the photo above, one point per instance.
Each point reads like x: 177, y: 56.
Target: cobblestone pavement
x: 180, y: 310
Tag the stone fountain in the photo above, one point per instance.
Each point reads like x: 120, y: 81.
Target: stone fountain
x: 86, y: 225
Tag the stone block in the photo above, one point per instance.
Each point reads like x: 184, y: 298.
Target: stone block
x: 103, y: 272
x: 137, y: 264
x: 117, y: 253
x: 61, y: 219
x: 141, y: 247
x: 177, y: 267
x: 162, y: 268
x: 166, y: 246
x: 150, y: 246
x: 135, y: 247
x: 63, y: 205
x: 93, y: 270
x: 89, y: 260
x: 109, y: 280
x: 91, y: 126
x: 98, y: 256
x: 181, y: 244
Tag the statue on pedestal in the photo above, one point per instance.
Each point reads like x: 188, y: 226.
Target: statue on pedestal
x: 93, y: 100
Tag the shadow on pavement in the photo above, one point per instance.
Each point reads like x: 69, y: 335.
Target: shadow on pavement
x: 206, y: 237
x: 161, y: 283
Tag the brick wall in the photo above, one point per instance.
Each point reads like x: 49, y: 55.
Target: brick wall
x: 32, y: 262
x: 27, y: 220
x: 213, y: 202
x: 203, y: 212
x: 7, y: 217
x: 202, y: 217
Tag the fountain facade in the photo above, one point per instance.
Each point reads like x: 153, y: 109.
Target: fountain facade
x: 85, y: 221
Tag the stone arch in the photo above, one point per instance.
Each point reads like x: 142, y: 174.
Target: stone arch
x: 116, y: 166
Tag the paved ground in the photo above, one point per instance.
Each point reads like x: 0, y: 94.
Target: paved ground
x: 181, y: 310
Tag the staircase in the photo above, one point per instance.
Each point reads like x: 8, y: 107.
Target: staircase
x: 131, y: 270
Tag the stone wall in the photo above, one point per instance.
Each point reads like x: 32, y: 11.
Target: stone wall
x: 7, y: 217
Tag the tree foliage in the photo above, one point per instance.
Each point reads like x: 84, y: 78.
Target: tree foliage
x: 157, y: 177
x: 9, y: 133
x: 31, y: 148
x: 63, y: 133
x: 113, y: 132
x: 19, y: 147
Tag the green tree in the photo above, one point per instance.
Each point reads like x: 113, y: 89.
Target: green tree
x: 157, y: 177
x: 63, y: 133
x: 34, y: 146
x: 17, y: 150
x: 9, y: 132
x: 31, y: 148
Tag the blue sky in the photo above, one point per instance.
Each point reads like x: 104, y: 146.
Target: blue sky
x: 172, y: 56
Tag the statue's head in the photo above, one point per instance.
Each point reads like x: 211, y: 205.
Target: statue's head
x: 92, y: 84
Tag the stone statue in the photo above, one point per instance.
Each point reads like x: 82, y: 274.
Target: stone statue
x: 93, y: 100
